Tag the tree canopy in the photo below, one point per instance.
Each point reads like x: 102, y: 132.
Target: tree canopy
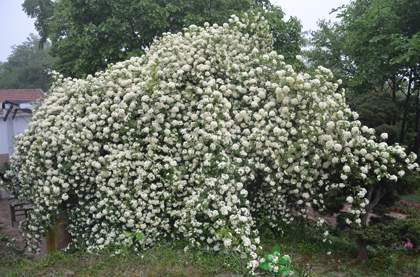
x: 375, y: 49
x: 27, y: 66
x: 88, y: 35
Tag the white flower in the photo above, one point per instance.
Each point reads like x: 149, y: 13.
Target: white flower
x: 227, y: 242
x: 384, y: 136
x: 349, y: 199
x: 362, y: 193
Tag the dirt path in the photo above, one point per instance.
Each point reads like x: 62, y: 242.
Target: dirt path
x: 332, y: 219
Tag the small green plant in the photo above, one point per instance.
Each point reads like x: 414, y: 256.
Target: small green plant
x: 274, y: 263
x: 131, y: 236
x: 2, y: 236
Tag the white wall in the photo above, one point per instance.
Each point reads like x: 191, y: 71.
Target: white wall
x: 3, y: 136
x: 10, y: 128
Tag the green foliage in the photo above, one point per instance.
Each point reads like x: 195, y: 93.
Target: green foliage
x: 41, y: 10
x: 377, y: 110
x: 287, y: 39
x: 375, y: 49
x: 27, y: 66
x: 387, y: 231
x: 133, y: 236
x: 2, y: 237
x: 164, y: 259
x: 413, y: 197
x: 276, y: 264
x: 368, y: 50
x: 327, y: 48
x: 170, y: 259
x: 88, y: 35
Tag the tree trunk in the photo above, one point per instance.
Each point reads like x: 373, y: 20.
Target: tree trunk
x: 374, y: 194
x: 362, y: 255
x: 416, y: 144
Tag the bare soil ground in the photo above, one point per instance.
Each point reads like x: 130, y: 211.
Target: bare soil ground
x: 332, y: 219
x: 13, y: 232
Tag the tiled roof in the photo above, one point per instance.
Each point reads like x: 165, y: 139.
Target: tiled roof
x: 30, y: 95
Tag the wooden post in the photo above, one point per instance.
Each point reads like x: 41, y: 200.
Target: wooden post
x: 59, y: 238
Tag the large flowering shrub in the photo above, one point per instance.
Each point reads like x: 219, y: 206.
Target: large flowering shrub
x: 205, y: 135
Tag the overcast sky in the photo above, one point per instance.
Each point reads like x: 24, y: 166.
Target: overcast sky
x: 16, y: 26
x: 309, y: 11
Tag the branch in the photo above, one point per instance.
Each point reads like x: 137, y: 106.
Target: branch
x: 372, y: 203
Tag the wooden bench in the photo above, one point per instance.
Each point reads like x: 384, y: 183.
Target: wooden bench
x: 19, y: 207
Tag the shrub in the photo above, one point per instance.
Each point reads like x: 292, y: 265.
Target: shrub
x: 4, y: 167
x: 206, y: 134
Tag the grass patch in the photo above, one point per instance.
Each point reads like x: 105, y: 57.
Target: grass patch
x: 413, y: 197
x: 308, y: 253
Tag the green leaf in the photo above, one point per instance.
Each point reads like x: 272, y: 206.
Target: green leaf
x: 265, y: 266
x: 285, y: 271
x: 276, y: 250
x: 286, y: 258
x: 282, y: 261
x: 139, y: 236
x: 268, y: 257
x: 128, y: 234
x: 377, y: 38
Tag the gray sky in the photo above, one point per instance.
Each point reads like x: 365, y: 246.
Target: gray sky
x: 309, y: 11
x: 16, y: 26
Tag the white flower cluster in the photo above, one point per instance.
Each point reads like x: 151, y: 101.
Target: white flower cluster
x: 207, y: 133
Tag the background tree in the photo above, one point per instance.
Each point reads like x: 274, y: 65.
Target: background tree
x: 41, y: 10
x: 27, y: 66
x: 377, y: 110
x: 287, y: 39
x: 88, y: 35
x: 375, y: 49
x: 326, y: 47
